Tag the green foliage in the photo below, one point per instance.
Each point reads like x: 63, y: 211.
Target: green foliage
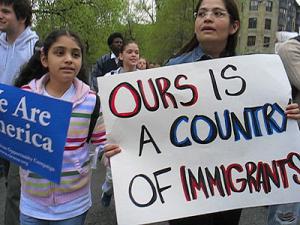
x: 173, y: 28
x: 160, y: 32
x: 92, y: 19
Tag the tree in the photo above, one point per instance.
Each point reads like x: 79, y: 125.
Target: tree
x: 160, y: 27
x: 174, y: 26
x: 93, y: 20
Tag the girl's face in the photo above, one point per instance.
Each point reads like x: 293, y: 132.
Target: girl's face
x: 130, y: 55
x: 213, y: 24
x: 142, y: 64
x: 64, y: 60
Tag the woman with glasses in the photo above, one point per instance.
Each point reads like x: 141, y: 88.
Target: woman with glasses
x: 216, y: 28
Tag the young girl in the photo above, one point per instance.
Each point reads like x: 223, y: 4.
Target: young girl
x: 57, y: 71
x: 129, y: 57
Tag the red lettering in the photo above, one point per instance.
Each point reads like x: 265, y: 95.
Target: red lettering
x: 136, y: 98
x: 187, y: 86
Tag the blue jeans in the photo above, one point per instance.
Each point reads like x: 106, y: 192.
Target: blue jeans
x: 284, y: 214
x: 28, y: 220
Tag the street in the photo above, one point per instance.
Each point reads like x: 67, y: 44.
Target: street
x: 99, y: 215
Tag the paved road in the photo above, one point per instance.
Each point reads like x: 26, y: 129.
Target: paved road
x: 106, y: 216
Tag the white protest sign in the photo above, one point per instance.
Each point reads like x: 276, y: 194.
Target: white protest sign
x: 201, y: 137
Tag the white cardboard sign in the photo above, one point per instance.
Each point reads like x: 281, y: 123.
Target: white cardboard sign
x: 201, y: 137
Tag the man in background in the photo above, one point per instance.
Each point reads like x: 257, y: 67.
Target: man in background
x: 109, y: 61
x: 17, y: 42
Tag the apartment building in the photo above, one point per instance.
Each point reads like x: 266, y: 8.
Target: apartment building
x: 261, y: 19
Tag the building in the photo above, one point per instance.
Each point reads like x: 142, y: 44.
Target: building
x: 261, y: 19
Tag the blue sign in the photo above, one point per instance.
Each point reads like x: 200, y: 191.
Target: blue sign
x: 33, y: 130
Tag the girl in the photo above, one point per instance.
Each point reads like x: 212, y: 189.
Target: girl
x: 57, y: 71
x: 129, y: 57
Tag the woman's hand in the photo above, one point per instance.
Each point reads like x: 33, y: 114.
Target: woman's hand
x: 111, y: 150
x: 292, y: 111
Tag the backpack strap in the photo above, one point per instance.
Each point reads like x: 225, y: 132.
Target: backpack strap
x: 94, y: 118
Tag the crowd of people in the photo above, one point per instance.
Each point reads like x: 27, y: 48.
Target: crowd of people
x: 55, y: 68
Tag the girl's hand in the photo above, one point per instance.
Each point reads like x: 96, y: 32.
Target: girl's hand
x: 111, y: 150
x: 292, y: 111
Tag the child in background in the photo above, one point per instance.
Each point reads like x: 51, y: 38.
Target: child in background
x: 142, y: 64
x: 129, y: 57
x: 57, y: 71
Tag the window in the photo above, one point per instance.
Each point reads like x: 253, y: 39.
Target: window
x: 267, y: 42
x: 253, y: 5
x: 282, y: 13
x: 252, y: 23
x: 269, y: 5
x: 251, y: 40
x: 268, y: 24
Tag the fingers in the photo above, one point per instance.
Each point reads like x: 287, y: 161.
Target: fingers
x: 111, y: 150
x: 292, y: 106
x: 292, y: 111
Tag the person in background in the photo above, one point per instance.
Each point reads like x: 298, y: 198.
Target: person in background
x: 142, y: 64
x: 109, y: 61
x: 281, y: 37
x: 289, y: 52
x: 57, y: 71
x: 129, y: 57
x: 17, y: 42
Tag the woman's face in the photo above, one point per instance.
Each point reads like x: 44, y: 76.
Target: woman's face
x: 130, y: 55
x: 212, y: 24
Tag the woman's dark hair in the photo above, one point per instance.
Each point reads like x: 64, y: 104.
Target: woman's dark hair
x: 233, y: 11
x: 126, y: 43
x: 22, y: 9
x: 34, y: 68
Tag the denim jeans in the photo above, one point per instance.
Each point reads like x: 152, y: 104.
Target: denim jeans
x: 284, y: 214
x: 28, y: 220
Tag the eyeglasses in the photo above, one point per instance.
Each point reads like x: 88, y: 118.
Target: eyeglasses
x: 216, y: 13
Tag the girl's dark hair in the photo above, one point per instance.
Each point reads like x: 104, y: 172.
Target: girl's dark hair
x: 22, y: 9
x: 126, y: 43
x: 34, y: 68
x: 229, y: 50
